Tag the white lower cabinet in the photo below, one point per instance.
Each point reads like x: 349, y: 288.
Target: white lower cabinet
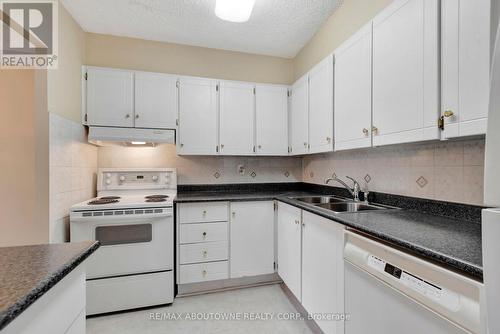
x: 60, y: 310
x: 311, y: 264
x: 323, y: 270
x: 222, y: 240
x: 252, y: 238
x: 289, y: 247
x: 210, y: 271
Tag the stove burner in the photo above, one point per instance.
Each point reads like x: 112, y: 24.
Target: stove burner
x: 110, y: 197
x: 102, y: 201
x: 157, y: 197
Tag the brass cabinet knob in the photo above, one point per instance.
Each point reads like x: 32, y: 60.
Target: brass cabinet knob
x: 260, y: 146
x: 204, y: 272
x: 205, y: 253
x: 365, y: 131
x: 328, y: 139
x: 305, y: 144
x: 204, y: 234
x: 127, y: 116
x: 136, y: 116
x: 448, y: 113
x: 374, y: 129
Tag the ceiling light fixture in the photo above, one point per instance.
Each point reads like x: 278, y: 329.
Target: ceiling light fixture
x: 234, y: 10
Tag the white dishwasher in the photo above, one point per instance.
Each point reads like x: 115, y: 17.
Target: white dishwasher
x: 391, y: 292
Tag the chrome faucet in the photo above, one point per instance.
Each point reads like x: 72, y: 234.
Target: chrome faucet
x: 355, y: 189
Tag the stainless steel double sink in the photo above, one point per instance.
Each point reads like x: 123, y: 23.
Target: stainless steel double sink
x: 339, y: 204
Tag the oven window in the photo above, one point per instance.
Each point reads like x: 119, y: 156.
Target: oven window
x: 123, y: 234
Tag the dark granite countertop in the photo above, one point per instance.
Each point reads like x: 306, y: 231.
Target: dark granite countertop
x: 445, y: 233
x: 27, y: 272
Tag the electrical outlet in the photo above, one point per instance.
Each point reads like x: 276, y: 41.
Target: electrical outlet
x: 241, y: 170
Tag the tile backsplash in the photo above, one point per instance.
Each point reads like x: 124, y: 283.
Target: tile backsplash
x: 72, y: 166
x: 449, y: 171
x: 204, y: 169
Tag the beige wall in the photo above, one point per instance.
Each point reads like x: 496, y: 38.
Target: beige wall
x: 204, y: 170
x: 344, y: 22
x: 23, y: 158
x: 450, y: 171
x: 137, y: 54
x: 64, y: 84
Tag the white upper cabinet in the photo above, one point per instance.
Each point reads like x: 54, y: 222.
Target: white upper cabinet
x: 323, y: 269
x: 353, y: 91
x: 406, y: 72
x: 465, y: 64
x: 197, y: 131
x: 271, y: 127
x: 237, y: 115
x: 252, y: 238
x: 299, y: 116
x: 155, y: 100
x: 110, y: 97
x: 290, y: 247
x: 321, y: 107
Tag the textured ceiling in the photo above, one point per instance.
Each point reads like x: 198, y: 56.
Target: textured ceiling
x: 276, y: 27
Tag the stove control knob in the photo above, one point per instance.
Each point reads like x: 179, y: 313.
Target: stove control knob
x: 155, y: 178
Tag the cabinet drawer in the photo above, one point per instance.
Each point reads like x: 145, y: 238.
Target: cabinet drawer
x: 192, y: 273
x: 203, y: 252
x: 204, y: 232
x: 203, y: 212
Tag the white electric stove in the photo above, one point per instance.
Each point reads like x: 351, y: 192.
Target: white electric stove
x: 132, y: 218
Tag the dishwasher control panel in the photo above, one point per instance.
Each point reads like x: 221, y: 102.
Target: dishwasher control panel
x: 439, y: 295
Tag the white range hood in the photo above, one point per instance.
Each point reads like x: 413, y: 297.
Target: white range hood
x: 110, y: 136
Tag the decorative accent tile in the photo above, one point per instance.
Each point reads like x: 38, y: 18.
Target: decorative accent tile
x: 253, y: 174
x: 422, y: 182
x: 287, y: 174
x: 217, y: 175
x: 368, y: 178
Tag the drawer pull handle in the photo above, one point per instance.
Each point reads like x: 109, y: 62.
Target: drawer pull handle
x: 205, y: 253
x: 204, y: 212
x: 204, y: 234
x: 204, y: 272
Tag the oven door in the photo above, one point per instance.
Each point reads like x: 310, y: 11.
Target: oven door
x: 130, y: 244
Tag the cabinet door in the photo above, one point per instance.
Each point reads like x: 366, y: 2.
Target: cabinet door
x: 237, y: 115
x: 252, y: 238
x: 197, y: 116
x: 289, y: 247
x: 405, y: 72
x: 271, y: 119
x: 353, y: 91
x: 323, y: 269
x: 321, y: 107
x: 155, y: 100
x: 465, y: 66
x: 110, y: 97
x: 299, y: 117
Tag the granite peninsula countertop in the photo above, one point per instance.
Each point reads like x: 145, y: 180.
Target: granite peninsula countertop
x: 28, y: 272
x: 448, y: 234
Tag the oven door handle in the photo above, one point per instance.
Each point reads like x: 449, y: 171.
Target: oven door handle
x: 77, y: 217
